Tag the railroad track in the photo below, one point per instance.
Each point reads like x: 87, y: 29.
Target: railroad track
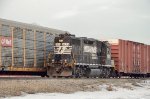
x: 16, y: 77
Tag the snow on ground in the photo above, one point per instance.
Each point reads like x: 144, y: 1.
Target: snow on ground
x: 107, y: 91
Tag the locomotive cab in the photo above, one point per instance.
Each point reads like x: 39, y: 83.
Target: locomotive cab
x: 62, y: 59
x: 62, y: 49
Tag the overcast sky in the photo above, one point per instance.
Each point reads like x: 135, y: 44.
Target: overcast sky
x: 100, y: 19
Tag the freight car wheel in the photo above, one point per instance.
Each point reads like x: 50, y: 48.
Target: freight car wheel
x: 50, y: 71
x: 108, y: 72
x: 43, y: 76
x: 113, y: 73
x: 47, y: 76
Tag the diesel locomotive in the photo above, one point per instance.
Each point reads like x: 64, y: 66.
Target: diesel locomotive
x: 80, y: 57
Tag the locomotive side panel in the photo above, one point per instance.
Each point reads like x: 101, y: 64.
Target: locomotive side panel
x: 90, y: 51
x: 86, y: 52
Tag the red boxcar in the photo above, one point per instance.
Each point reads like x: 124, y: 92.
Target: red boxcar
x: 130, y: 58
x: 149, y: 60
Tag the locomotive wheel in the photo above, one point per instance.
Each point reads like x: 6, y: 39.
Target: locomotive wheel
x: 87, y: 72
x: 43, y: 76
x: 78, y: 72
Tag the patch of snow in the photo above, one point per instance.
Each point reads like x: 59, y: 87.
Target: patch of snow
x: 139, y: 91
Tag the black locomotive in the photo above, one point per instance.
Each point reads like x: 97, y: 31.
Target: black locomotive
x: 79, y: 57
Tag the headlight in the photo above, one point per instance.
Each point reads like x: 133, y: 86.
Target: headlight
x: 65, y: 61
x: 52, y: 60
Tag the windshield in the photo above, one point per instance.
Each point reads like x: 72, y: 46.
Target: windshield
x: 62, y: 57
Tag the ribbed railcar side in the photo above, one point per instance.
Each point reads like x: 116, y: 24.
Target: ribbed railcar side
x: 24, y: 47
x: 131, y: 58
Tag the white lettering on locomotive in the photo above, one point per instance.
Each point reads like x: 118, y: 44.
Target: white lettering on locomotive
x: 92, y: 50
x: 63, y: 48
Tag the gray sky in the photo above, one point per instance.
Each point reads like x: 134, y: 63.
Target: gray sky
x: 100, y: 19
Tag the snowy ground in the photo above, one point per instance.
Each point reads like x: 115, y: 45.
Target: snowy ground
x: 128, y: 91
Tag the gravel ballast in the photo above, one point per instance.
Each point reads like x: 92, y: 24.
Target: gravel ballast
x: 17, y: 87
